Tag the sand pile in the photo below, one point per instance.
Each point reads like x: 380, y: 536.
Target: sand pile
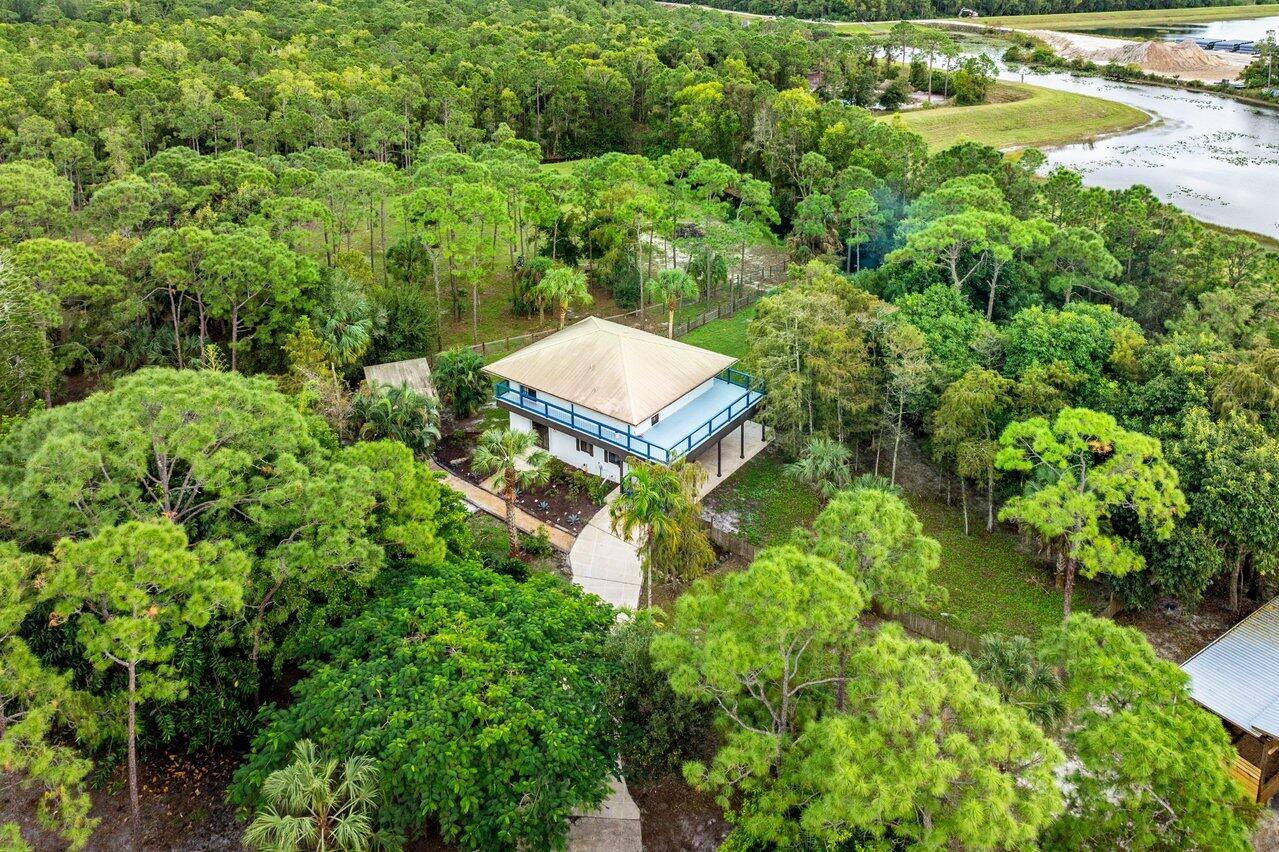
x: 1184, y: 59
x: 1165, y: 58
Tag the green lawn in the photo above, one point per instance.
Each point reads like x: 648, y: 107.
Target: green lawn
x: 1135, y: 18
x: 725, y: 336
x: 873, y: 27
x: 993, y: 586
x: 1023, y: 116
x: 767, y: 502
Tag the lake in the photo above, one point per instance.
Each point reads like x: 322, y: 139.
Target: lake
x: 1213, y: 157
x: 1251, y: 28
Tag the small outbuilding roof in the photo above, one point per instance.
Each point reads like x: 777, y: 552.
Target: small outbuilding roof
x: 1237, y: 675
x: 613, y: 369
x: 415, y: 372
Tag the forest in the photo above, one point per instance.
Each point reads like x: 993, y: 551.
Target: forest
x: 217, y: 541
x: 911, y: 10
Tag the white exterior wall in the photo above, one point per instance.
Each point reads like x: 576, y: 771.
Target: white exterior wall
x: 520, y: 423
x: 675, y: 406
x: 564, y: 448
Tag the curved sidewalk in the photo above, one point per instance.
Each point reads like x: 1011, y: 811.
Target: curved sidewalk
x: 605, y: 564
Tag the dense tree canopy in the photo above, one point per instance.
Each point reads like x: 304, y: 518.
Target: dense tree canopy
x: 480, y: 700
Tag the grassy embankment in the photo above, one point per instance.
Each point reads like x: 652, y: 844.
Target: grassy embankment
x: 993, y: 585
x: 1022, y: 116
x: 1134, y: 18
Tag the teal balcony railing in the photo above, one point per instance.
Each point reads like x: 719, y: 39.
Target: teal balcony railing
x: 732, y: 394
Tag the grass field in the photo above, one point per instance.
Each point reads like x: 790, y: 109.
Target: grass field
x: 768, y: 503
x: 1024, y: 116
x: 993, y: 585
x: 1135, y: 18
x: 725, y: 336
x: 863, y: 26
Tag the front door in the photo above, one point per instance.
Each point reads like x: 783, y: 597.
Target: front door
x: 543, y: 435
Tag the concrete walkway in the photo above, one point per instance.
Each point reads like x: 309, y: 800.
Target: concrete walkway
x: 731, y: 456
x: 604, y: 564
x: 489, y: 502
x: 612, y: 827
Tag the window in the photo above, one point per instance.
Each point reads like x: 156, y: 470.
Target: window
x: 612, y: 457
x: 530, y: 392
x: 585, y: 447
x: 653, y: 422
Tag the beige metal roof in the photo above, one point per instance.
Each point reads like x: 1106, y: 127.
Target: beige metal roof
x: 1237, y: 675
x: 416, y: 373
x: 614, y: 369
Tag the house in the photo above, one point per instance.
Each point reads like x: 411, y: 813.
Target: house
x: 598, y: 394
x: 1237, y: 678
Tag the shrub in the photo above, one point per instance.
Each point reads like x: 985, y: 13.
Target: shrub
x: 538, y: 544
x: 897, y: 93
x: 411, y: 328
x: 624, y: 283
x: 460, y: 380
x: 399, y: 413
x: 480, y: 700
x: 659, y: 730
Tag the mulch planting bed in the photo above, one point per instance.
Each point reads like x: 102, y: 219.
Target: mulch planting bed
x: 564, y: 501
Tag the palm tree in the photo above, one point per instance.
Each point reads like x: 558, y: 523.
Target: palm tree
x: 316, y: 805
x: 509, y: 455
x: 347, y: 327
x: 825, y: 464
x: 1009, y: 664
x: 670, y: 286
x: 399, y: 413
x: 659, y: 502
x: 562, y: 287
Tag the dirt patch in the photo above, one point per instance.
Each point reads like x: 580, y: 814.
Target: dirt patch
x: 665, y: 594
x: 1266, y: 836
x: 183, y: 807
x: 676, y: 818
x: 1178, y: 633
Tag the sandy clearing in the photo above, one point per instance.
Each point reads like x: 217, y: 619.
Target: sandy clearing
x: 1184, y: 60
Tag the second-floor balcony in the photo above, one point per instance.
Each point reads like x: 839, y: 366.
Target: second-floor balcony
x: 732, y: 396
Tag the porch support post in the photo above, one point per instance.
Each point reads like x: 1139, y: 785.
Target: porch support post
x: 1266, y: 746
x: 742, y: 442
x: 719, y: 469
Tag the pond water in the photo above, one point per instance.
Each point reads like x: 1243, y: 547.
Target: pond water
x: 1213, y: 157
x: 1249, y: 28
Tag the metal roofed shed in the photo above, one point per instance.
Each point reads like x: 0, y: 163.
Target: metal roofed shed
x: 415, y: 372
x: 613, y: 369
x: 1237, y: 677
